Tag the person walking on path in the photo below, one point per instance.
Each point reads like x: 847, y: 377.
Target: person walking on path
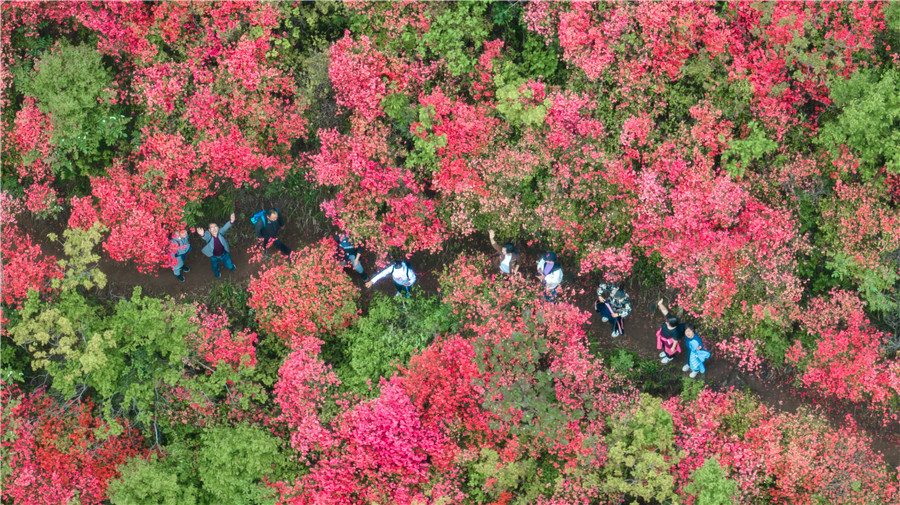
x: 267, y: 232
x: 509, y: 257
x: 669, y: 335
x: 697, y: 354
x: 550, y: 274
x: 349, y: 254
x: 217, y: 247
x: 182, y: 247
x: 403, y: 276
x: 613, y: 304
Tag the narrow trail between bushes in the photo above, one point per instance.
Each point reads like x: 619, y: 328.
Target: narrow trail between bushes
x: 773, y: 389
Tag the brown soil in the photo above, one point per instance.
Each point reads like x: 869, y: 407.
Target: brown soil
x: 640, y: 327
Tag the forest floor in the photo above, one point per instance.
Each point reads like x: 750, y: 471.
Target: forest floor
x: 772, y: 387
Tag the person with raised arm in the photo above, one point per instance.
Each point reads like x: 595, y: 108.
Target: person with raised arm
x: 669, y: 335
x: 508, y: 256
x: 217, y: 248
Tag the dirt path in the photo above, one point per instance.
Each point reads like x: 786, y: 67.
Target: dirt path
x: 639, y: 338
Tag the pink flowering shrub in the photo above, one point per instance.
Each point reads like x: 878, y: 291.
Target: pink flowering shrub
x: 376, y: 199
x: 307, y: 297
x: 845, y: 361
x: 216, y: 344
x: 777, y: 457
x: 301, y: 394
x: 54, y: 454
x: 25, y: 267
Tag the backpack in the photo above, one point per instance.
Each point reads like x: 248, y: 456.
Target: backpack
x: 260, y: 216
x: 408, y: 268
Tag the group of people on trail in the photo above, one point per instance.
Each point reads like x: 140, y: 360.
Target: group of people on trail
x: 267, y: 223
x: 613, y: 303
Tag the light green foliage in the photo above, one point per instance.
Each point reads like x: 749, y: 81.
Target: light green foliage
x: 388, y: 336
x: 232, y: 461
x: 127, y: 355
x: 225, y: 465
x: 424, y: 152
x: 61, y: 336
x: 54, y: 335
x: 70, y: 83
x: 641, y: 451
x: 456, y: 35
x: 153, y: 482
x: 80, y: 266
x: 397, y: 107
x: 711, y: 486
x: 489, y: 477
x: 124, y: 356
x: 744, y: 153
x: 869, y: 119
x: 510, y: 105
x: 148, y: 335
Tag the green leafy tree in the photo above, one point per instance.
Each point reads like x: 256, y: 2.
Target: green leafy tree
x: 489, y: 477
x: 232, y: 462
x: 641, y: 452
x: 868, y: 121
x: 153, y: 481
x: 223, y: 465
x: 388, y: 336
x: 711, y: 486
x: 744, y: 153
x: 71, y: 83
x: 455, y: 34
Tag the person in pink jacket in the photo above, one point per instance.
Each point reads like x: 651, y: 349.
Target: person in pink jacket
x: 669, y: 335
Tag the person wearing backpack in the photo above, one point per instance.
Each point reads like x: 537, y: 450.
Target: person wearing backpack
x: 217, y: 248
x: 613, y: 305
x: 403, y: 276
x: 697, y: 354
x: 509, y: 257
x: 669, y: 335
x: 348, y: 254
x: 267, y: 227
x: 550, y: 274
x: 182, y: 247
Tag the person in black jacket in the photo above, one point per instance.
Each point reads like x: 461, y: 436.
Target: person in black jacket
x: 267, y: 231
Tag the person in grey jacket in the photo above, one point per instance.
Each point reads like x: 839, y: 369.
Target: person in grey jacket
x: 217, y: 247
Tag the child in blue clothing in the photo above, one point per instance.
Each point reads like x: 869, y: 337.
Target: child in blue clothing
x: 697, y: 354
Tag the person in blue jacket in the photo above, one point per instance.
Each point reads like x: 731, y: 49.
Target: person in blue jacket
x: 697, y: 353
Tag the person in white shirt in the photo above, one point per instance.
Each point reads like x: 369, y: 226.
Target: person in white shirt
x: 550, y: 274
x: 402, y: 274
x: 508, y: 257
